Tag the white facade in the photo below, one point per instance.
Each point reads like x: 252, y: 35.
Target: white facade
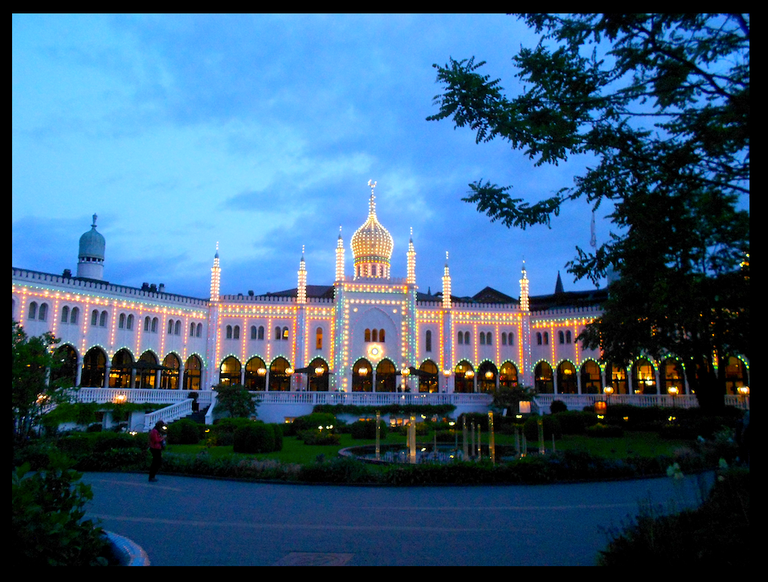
x: 365, y: 332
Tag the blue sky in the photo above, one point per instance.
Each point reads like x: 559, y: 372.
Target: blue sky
x: 260, y: 133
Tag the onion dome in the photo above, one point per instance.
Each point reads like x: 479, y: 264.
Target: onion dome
x: 92, y: 243
x: 372, y: 245
x: 90, y: 256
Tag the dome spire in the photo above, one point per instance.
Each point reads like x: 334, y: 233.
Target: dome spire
x: 372, y: 245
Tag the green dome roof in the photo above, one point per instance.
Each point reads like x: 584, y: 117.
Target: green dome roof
x: 92, y: 243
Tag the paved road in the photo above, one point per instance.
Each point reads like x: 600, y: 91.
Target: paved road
x: 185, y: 521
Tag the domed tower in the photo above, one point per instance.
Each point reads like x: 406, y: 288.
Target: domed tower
x: 372, y: 245
x: 90, y: 258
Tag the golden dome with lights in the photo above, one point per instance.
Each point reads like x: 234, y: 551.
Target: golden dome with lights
x: 372, y: 245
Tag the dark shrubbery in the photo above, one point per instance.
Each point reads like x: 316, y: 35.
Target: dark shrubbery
x: 185, y: 432
x: 551, y: 427
x: 257, y: 437
x: 311, y: 422
x: 47, y: 512
x: 557, y: 406
x: 366, y: 429
x: 604, y: 430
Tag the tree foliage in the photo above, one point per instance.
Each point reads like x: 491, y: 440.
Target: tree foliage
x: 236, y: 400
x: 660, y: 103
x: 32, y: 361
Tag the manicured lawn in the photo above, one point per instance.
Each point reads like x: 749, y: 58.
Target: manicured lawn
x: 643, y: 444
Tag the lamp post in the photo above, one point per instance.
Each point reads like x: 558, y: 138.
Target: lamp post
x: 744, y: 394
x: 673, y: 391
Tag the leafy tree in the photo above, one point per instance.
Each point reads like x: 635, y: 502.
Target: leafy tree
x: 32, y: 361
x: 660, y: 103
x: 236, y: 400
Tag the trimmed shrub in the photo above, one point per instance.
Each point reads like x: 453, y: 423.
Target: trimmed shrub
x: 366, y: 429
x: 557, y: 406
x: 184, y: 432
x: 311, y: 422
x: 575, y: 422
x: 256, y: 437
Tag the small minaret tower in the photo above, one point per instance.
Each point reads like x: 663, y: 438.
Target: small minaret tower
x: 524, y: 305
x: 446, y: 285
x: 411, y: 261
x: 301, y: 295
x: 90, y: 257
x: 215, y: 276
x: 339, y: 258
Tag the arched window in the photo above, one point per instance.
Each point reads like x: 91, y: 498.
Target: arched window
x: 42, y: 314
x: 285, y: 333
x: 32, y: 314
x: 229, y: 371
x: 374, y: 335
x: 65, y: 314
x: 568, y: 336
x: 170, y: 326
x: 192, y: 373
x: 74, y: 316
x: 121, y: 321
x: 256, y: 374
x: 538, y: 338
x: 177, y: 327
x: 192, y: 329
x: 489, y: 338
x: 147, y: 322
x: 94, y: 317
x: 261, y: 332
x: 428, y: 341
x: 466, y: 338
x: 229, y: 332
x: 103, y: 319
x: 236, y: 332
x: 381, y: 336
x: 200, y: 331
x: 319, y: 338
x: 561, y: 336
x: 278, y: 335
x: 254, y: 332
x: 546, y: 338
x: 129, y: 322
x: 155, y: 321
x: 460, y: 337
x: 482, y: 338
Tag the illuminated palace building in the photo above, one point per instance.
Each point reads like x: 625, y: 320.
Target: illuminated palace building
x: 367, y: 332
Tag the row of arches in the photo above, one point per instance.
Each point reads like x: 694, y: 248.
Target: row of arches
x: 256, y: 375
x: 124, y: 371
x: 641, y: 377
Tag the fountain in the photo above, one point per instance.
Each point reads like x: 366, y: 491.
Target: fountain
x: 413, y: 453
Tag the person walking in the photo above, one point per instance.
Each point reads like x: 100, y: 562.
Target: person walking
x: 156, y: 446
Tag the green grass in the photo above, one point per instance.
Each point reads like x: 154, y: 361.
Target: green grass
x: 642, y: 444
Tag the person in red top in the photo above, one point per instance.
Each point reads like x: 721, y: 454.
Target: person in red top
x: 156, y: 443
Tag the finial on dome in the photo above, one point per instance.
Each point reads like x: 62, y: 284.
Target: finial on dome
x: 372, y: 203
x: 95, y: 216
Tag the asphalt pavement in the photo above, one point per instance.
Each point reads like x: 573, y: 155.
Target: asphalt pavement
x: 188, y: 521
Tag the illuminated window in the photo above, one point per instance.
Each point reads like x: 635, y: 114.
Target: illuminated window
x: 319, y: 338
x: 285, y: 333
